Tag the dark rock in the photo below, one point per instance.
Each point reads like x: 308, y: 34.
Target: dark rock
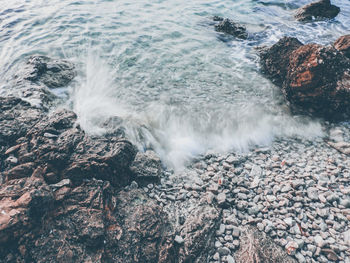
x: 322, y: 9
x: 314, y: 79
x: 198, y: 232
x: 256, y: 246
x: 23, y: 204
x: 65, y: 151
x: 16, y: 117
x: 53, y: 73
x: 41, y: 223
x: 230, y: 27
x: 141, y: 232
x: 274, y: 60
x: 146, y: 167
x: 343, y: 44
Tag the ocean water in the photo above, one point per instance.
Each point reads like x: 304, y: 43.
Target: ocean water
x: 175, y: 85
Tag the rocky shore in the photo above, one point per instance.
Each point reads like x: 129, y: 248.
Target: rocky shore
x: 68, y: 196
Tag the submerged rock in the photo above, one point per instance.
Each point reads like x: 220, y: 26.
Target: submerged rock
x: 322, y: 9
x: 230, y: 27
x: 314, y: 79
x: 53, y: 73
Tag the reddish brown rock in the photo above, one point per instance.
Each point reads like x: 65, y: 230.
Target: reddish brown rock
x: 315, y: 79
x: 274, y: 60
x: 343, y: 44
x: 319, y: 10
x: 23, y: 204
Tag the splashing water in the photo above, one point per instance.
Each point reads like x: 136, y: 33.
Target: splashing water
x: 159, y: 67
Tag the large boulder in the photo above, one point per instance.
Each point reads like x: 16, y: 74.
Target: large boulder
x: 274, y: 60
x: 63, y: 150
x: 319, y: 10
x: 315, y: 79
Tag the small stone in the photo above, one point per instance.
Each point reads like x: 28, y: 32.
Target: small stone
x: 300, y: 257
x: 179, y: 239
x: 230, y: 259
x: 270, y: 198
x: 223, y: 251
x: 319, y: 241
x: 291, y: 247
x: 221, y: 198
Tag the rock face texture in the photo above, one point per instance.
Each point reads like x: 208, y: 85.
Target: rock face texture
x: 314, y: 79
x: 256, y: 246
x: 198, y: 232
x: 146, y: 167
x: 319, y: 10
x: 53, y: 73
x: 343, y: 44
x: 60, y: 223
x: 230, y: 27
x: 62, y: 150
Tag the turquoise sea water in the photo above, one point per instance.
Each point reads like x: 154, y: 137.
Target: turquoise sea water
x: 181, y: 88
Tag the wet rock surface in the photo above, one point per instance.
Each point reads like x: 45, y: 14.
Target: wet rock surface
x: 62, y: 150
x: 53, y: 73
x: 230, y: 27
x: 343, y: 44
x: 315, y: 79
x: 318, y: 10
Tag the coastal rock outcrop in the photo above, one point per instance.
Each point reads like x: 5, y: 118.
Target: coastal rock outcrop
x: 315, y: 79
x: 230, y: 27
x: 61, y: 223
x: 319, y: 10
x: 63, y: 150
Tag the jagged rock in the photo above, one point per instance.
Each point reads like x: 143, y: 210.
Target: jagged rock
x: 274, y: 60
x: 41, y: 223
x: 314, y: 79
x: 53, y: 73
x: 318, y: 79
x: 16, y: 117
x: 198, y: 233
x: 146, y: 167
x: 142, y: 232
x: 37, y: 95
x: 343, y: 44
x: 230, y: 27
x: 23, y: 204
x: 256, y: 246
x: 63, y: 150
x: 322, y: 9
